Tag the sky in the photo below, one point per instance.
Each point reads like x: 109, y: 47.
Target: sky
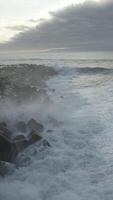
x: 70, y: 25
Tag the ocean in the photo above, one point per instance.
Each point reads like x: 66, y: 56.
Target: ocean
x: 78, y: 121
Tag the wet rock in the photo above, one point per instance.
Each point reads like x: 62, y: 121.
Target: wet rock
x: 33, y: 137
x: 21, y: 127
x: 19, y: 137
x: 34, y: 125
x: 9, y: 149
x: 19, y: 143
x: 6, y: 168
x: 5, y: 147
x: 4, y: 130
x: 10, y: 146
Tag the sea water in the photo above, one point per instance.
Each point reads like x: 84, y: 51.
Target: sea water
x: 79, y: 164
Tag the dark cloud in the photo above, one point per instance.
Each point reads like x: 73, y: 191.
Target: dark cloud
x: 87, y: 26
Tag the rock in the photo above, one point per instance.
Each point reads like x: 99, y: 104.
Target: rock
x: 5, y: 131
x: 5, y: 147
x: 34, y: 125
x: 19, y: 143
x: 33, y: 137
x: 6, y: 168
x: 10, y: 148
x: 21, y: 127
x: 19, y: 138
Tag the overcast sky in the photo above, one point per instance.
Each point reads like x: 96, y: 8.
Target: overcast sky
x: 56, y: 24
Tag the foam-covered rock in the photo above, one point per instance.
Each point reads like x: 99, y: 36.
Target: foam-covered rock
x: 9, y: 148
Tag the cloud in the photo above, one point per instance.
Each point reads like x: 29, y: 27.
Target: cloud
x: 83, y: 27
x: 17, y: 27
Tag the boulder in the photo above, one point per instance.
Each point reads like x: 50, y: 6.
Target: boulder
x: 5, y: 131
x: 33, y: 137
x: 5, y: 147
x: 18, y: 144
x: 21, y: 127
x: 10, y: 146
x: 9, y: 149
x: 34, y: 125
x: 19, y: 138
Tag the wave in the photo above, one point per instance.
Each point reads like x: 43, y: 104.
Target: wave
x: 94, y: 70
x: 66, y: 71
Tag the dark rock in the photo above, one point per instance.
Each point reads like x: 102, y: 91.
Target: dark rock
x: 5, y: 131
x: 34, y: 125
x: 5, y: 147
x: 9, y: 148
x: 6, y: 168
x: 21, y: 127
x: 19, y: 137
x: 33, y: 137
x: 19, y: 143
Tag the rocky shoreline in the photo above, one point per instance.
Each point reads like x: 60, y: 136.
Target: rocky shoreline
x: 20, y: 83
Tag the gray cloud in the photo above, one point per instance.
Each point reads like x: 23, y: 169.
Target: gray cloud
x: 18, y: 27
x: 36, y: 20
x: 87, y: 26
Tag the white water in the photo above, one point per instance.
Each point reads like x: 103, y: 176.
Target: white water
x: 79, y: 165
